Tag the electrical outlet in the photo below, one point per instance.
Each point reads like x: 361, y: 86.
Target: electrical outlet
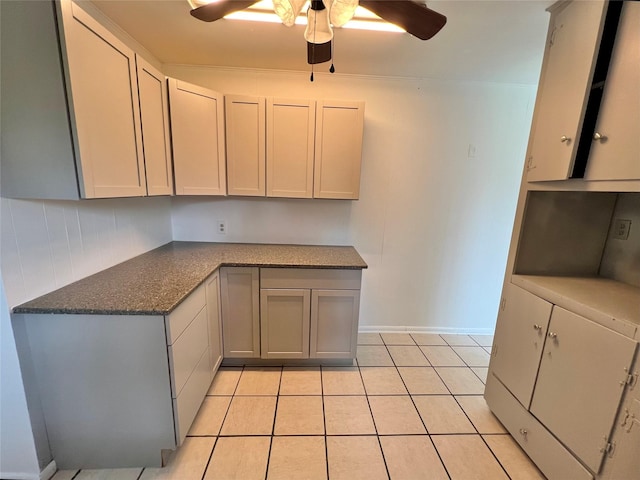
x: 621, y: 229
x: 222, y: 227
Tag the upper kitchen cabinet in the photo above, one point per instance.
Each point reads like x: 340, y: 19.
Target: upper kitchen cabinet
x: 197, y: 132
x: 290, y: 147
x: 338, y: 149
x: 71, y: 110
x: 572, y: 49
x: 615, y: 151
x: 245, y: 127
x: 156, y: 140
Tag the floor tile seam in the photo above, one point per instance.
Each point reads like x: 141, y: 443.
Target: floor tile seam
x: 504, y: 469
x: 466, y: 414
x: 206, y: 467
x: 410, y: 397
x: 435, y: 449
x: 324, y: 421
x: 140, y: 474
x: 266, y: 470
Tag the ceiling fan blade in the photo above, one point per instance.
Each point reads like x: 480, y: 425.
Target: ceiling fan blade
x: 415, y: 18
x: 216, y: 10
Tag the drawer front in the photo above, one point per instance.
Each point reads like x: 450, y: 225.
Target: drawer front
x: 328, y: 279
x: 547, y: 453
x: 185, y: 353
x: 186, y: 406
x: 182, y: 316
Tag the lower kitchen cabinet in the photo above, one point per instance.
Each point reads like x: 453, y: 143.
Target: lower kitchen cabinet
x: 580, y: 384
x: 557, y: 381
x: 334, y: 323
x: 522, y: 325
x: 240, y: 298
x: 309, y: 313
x: 284, y: 323
x: 116, y: 390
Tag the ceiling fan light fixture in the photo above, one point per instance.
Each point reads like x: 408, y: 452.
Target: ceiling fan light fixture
x: 318, y: 27
x: 199, y: 3
x: 288, y: 10
x: 341, y: 11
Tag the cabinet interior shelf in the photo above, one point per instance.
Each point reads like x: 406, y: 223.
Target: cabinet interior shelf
x: 613, y: 304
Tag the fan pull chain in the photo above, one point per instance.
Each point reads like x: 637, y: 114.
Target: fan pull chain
x: 313, y: 46
x: 332, y: 69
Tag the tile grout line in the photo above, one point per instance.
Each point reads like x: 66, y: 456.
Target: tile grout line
x: 273, y: 427
x: 324, y: 421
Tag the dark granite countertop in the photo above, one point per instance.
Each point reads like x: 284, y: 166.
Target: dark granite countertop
x: 155, y: 282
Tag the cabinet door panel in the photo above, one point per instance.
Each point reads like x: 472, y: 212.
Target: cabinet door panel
x: 284, y: 323
x: 570, y: 56
x: 240, y: 312
x: 339, y: 128
x: 579, y: 385
x: 290, y: 147
x: 245, y: 119
x: 334, y: 323
x: 104, y: 95
x: 154, y: 111
x: 519, y: 338
x: 618, y: 156
x: 197, y: 133
x: 212, y: 290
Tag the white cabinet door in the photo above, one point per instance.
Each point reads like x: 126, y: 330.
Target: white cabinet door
x: 212, y: 291
x: 154, y: 112
x: 572, y: 47
x: 580, y: 383
x: 334, y: 323
x: 615, y: 153
x: 290, y: 147
x: 519, y: 338
x: 197, y: 133
x: 240, y: 296
x: 103, y: 96
x: 339, y: 129
x: 284, y: 322
x: 245, y: 119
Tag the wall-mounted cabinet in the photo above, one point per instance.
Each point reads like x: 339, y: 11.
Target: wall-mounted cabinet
x: 197, y: 134
x: 245, y: 128
x: 313, y: 149
x: 71, y: 123
x: 587, y: 120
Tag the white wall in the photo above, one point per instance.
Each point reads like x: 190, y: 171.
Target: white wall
x: 432, y: 223
x: 43, y: 246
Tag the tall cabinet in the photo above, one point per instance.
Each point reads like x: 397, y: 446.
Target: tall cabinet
x: 563, y: 376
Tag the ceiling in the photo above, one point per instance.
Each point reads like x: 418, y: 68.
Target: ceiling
x: 488, y: 41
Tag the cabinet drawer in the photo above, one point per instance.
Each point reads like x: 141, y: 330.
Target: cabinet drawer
x: 187, y: 404
x: 182, y: 316
x: 185, y: 353
x: 547, y: 453
x: 310, y: 278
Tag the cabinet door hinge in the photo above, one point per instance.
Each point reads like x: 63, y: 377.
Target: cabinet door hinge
x: 630, y: 379
x: 608, y: 447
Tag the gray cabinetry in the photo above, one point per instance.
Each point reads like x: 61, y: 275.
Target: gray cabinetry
x: 214, y: 316
x: 581, y: 381
x: 518, y: 342
x: 309, y: 313
x: 240, y: 295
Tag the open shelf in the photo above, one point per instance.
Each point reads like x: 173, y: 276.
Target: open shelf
x: 613, y: 304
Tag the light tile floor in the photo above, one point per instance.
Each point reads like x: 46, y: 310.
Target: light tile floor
x: 410, y: 409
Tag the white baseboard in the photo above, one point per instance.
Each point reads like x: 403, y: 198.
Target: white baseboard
x: 410, y: 329
x: 49, y: 471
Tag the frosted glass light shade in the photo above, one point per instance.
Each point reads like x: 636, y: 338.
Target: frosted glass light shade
x: 288, y: 10
x: 341, y: 11
x: 318, y: 28
x: 199, y: 3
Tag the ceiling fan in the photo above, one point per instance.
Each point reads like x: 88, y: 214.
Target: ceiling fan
x: 414, y: 17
